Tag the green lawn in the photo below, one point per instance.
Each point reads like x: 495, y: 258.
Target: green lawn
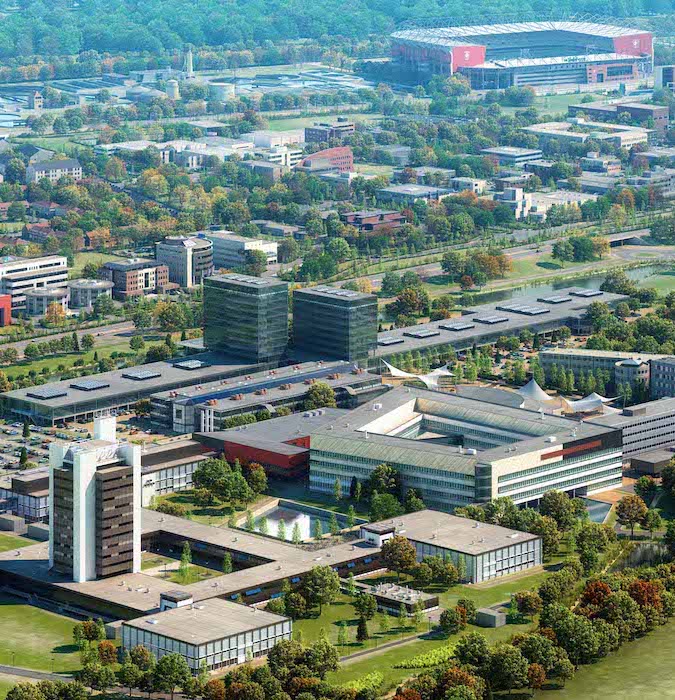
x: 663, y: 283
x: 343, y: 610
x: 81, y: 259
x: 151, y: 560
x: 5, y: 687
x: 34, y: 638
x: 8, y: 542
x: 302, y: 122
x: 640, y: 669
x: 195, y: 573
x: 207, y: 515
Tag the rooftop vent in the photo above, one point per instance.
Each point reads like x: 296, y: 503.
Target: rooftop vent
x: 551, y: 438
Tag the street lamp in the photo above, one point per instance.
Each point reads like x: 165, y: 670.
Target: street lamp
x: 429, y: 624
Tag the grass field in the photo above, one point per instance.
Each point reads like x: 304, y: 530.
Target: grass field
x: 81, y: 259
x: 34, y: 638
x: 640, y: 669
x: 5, y: 687
x: 302, y: 122
x: 9, y: 542
x: 207, y: 515
x: 663, y: 283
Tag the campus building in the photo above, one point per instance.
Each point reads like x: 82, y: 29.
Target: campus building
x: 95, y: 506
x: 117, y: 390
x: 644, y: 427
x: 229, y: 250
x: 215, y: 633
x: 26, y: 494
x: 323, y: 132
x: 53, y: 170
x: 83, y: 293
x: 489, y: 551
x: 537, y: 54
x: 17, y: 275
x: 246, y: 316
x: 455, y: 450
x: 662, y: 378
x: 209, y: 406
x: 39, y: 299
x: 336, y: 323
x: 190, y: 260
x: 136, y: 278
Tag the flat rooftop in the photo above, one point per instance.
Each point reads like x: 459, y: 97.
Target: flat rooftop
x: 120, y: 384
x: 207, y: 621
x: 461, y: 332
x: 632, y: 414
x: 451, y: 532
x: 395, y: 428
x: 324, y: 291
x: 248, y: 281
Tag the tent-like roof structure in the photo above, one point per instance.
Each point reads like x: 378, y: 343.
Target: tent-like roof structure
x: 430, y: 379
x: 589, y: 403
x: 533, y: 392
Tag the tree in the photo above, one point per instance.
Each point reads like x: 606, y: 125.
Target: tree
x: 362, y: 630
x: 473, y: 649
x: 563, y: 251
x: 319, y: 395
x: 296, y: 535
x: 508, y: 668
x: 142, y: 657
x: 558, y: 506
x: 256, y: 478
x: 337, y: 489
x: 87, y: 342
x: 129, y: 674
x: 333, y: 525
x: 646, y: 487
x: 342, y: 637
x: 321, y: 586
x: 55, y: 314
x: 107, y: 652
x: 227, y: 563
x: 413, y: 503
x: 399, y: 554
x: 23, y: 457
x: 652, y: 521
x: 185, y: 561
x: 630, y: 510
x: 137, y: 343
x: 322, y: 658
x: 171, y: 672
x: 255, y: 262
x: 365, y: 605
x: 384, y: 506
x: 450, y: 621
x: 385, y: 479
x: 317, y: 530
x: 142, y: 408
x: 26, y: 429
x: 536, y: 676
x: 528, y: 603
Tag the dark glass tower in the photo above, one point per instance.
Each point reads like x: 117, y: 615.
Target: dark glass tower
x: 335, y: 323
x: 246, y: 316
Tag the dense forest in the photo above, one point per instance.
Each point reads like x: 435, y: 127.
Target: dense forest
x: 63, y: 27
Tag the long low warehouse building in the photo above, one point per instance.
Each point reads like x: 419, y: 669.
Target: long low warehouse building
x: 484, y: 324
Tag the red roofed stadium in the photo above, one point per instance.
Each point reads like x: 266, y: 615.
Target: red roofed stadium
x: 539, y: 54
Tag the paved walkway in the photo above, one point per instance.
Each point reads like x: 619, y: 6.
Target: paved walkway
x: 31, y: 674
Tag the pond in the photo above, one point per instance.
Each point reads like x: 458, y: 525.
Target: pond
x: 597, y: 510
x: 589, y: 282
x: 294, y: 514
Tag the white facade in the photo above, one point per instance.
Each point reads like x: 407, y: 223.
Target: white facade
x: 229, y: 250
x: 281, y: 155
x: 274, y: 139
x: 87, y: 458
x: 53, y: 170
x: 189, y: 259
x: 17, y: 275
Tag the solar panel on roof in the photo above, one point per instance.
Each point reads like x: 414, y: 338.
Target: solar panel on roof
x: 422, y: 333
x: 46, y: 392
x: 458, y: 326
x: 191, y: 364
x: 586, y: 293
x: 490, y: 320
x: 556, y: 299
x: 527, y: 309
x: 89, y: 384
x: 141, y: 374
x: 390, y: 341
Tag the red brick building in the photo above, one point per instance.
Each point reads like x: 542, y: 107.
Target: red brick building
x: 134, y: 278
x: 373, y: 220
x: 339, y: 159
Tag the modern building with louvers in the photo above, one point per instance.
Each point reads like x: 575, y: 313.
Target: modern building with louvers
x: 455, y: 450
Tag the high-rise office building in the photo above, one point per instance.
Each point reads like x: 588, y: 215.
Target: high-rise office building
x: 246, y: 316
x: 190, y: 260
x: 95, y: 505
x: 334, y: 322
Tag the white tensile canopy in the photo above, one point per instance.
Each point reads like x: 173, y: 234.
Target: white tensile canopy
x: 592, y: 402
x: 533, y: 392
x: 430, y: 379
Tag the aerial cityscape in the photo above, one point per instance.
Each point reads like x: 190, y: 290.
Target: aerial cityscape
x: 337, y: 351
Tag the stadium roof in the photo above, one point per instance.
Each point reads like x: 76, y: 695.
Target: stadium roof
x: 459, y: 36
x: 555, y: 60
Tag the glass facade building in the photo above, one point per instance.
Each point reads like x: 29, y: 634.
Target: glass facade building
x: 333, y: 322
x: 246, y: 316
